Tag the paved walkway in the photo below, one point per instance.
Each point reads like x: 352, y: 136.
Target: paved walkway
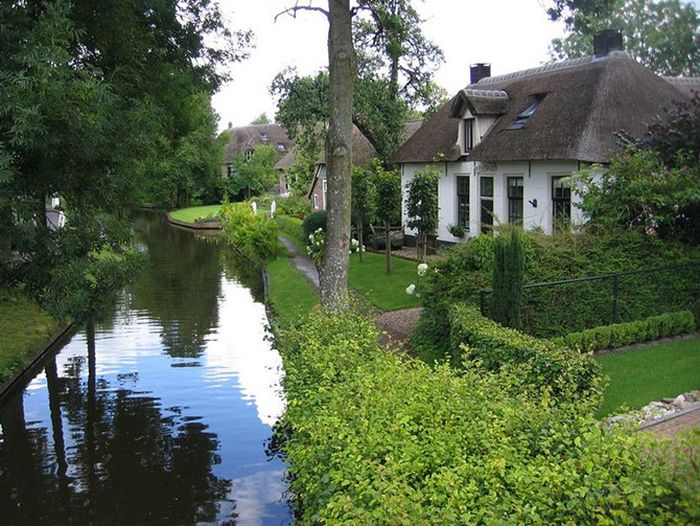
x: 303, y: 262
x: 672, y: 425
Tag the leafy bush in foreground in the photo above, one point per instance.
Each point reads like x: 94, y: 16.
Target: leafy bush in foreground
x: 373, y: 438
x: 639, y: 331
x: 252, y: 234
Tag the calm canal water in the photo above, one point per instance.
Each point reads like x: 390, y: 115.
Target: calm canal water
x: 159, y: 416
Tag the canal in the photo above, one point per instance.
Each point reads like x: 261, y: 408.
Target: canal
x: 161, y: 414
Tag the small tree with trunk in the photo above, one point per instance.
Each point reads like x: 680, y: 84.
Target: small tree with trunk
x: 363, y: 201
x: 388, y: 188
x: 508, y: 278
x: 422, y: 206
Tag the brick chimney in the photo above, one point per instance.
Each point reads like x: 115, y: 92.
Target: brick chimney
x: 607, y: 41
x: 479, y: 71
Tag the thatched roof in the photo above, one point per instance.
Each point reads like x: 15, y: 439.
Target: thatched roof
x: 687, y: 85
x: 286, y: 161
x: 246, y: 138
x: 583, y: 104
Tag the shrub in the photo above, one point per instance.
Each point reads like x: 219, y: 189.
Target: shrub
x: 253, y: 235
x: 292, y: 227
x: 313, y: 222
x: 541, y: 364
x: 372, y: 437
x: 295, y: 206
x: 639, y: 331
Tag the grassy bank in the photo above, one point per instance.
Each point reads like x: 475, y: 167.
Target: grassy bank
x: 289, y: 293
x: 190, y: 215
x: 24, y: 329
x: 640, y: 376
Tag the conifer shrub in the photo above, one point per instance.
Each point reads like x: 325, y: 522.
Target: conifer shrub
x: 373, y: 437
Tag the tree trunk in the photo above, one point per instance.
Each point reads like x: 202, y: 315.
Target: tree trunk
x: 341, y: 60
x: 387, y: 247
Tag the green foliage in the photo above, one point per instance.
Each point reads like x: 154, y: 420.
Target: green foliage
x: 255, y: 175
x: 24, y: 329
x: 372, y: 437
x: 508, y: 272
x: 313, y: 222
x: 558, y: 310
x: 456, y: 230
x: 540, y: 364
x: 292, y: 227
x: 87, y: 288
x: 294, y: 205
x: 252, y: 234
x: 663, y: 35
x: 387, y: 184
x: 197, y: 214
x: 422, y: 205
x: 637, y: 191
x: 261, y: 119
x: 638, y: 331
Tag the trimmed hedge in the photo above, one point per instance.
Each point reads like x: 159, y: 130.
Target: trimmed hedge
x: 292, y: 228
x: 313, y: 222
x: 540, y: 364
x: 371, y: 437
x: 621, y: 334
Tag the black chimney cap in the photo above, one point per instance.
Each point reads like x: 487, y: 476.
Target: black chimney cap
x: 606, y: 41
x: 479, y: 71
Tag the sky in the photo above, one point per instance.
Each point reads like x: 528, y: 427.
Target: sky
x: 510, y: 34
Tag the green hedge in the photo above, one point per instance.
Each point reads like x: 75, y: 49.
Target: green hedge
x: 621, y: 334
x: 371, y: 437
x: 314, y: 221
x: 556, y: 311
x: 292, y: 228
x: 540, y: 364
x: 252, y: 234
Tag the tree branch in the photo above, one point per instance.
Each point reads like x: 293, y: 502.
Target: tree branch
x: 292, y: 11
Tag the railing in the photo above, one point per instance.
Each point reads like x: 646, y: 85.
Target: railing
x: 616, y: 280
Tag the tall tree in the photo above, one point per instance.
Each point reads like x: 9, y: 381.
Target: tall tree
x: 664, y: 35
x: 388, y: 185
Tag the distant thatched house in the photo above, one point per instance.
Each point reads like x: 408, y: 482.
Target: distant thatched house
x: 244, y: 139
x: 506, y: 146
x: 362, y: 154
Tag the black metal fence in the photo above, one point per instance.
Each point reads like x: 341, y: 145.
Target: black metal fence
x: 558, y: 307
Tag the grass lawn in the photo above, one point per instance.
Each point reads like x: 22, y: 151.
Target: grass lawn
x: 24, y: 329
x: 290, y: 294
x: 189, y: 215
x: 386, y: 291
x: 640, y: 376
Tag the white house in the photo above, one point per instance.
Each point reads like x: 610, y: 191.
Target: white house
x: 507, y: 145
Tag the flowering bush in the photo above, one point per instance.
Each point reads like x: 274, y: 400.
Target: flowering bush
x: 421, y: 270
x: 316, y: 245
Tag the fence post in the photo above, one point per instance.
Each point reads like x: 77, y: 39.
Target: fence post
x: 616, y: 293
x: 482, y: 302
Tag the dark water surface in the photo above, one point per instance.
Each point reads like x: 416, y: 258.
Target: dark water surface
x: 159, y: 416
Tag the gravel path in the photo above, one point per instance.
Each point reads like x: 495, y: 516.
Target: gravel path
x: 672, y: 425
x: 399, y: 324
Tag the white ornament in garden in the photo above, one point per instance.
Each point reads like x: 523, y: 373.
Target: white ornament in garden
x: 410, y: 289
x: 273, y: 209
x: 254, y: 206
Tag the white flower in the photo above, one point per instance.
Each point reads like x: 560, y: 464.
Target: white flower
x: 422, y: 269
x: 311, y: 237
x: 410, y: 289
x: 354, y: 242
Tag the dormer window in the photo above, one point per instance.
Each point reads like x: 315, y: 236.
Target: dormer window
x: 525, y: 115
x: 263, y: 136
x: 280, y: 146
x: 468, y: 134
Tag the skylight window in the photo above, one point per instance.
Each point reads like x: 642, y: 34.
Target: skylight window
x: 525, y: 115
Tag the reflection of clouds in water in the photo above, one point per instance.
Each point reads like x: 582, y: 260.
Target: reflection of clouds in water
x: 239, y: 347
x: 254, y: 493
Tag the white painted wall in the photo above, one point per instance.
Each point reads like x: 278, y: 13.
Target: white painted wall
x: 537, y: 185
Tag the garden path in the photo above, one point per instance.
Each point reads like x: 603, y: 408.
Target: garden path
x: 301, y: 261
x: 670, y: 426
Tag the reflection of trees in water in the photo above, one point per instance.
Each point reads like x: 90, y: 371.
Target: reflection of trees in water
x: 126, y: 462
x: 182, y: 286
x: 241, y: 269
